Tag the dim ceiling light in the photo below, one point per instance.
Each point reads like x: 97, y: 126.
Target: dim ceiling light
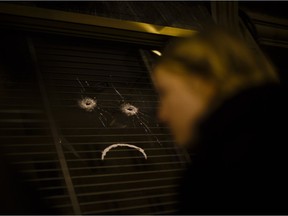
x: 156, y: 52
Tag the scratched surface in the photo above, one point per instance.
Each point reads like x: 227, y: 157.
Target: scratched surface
x: 182, y: 14
x: 100, y: 95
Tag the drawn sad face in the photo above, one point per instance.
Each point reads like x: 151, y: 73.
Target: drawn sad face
x: 132, y: 112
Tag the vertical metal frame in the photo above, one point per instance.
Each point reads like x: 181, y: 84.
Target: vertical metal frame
x: 54, y: 131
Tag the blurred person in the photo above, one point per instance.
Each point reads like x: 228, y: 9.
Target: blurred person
x: 225, y: 104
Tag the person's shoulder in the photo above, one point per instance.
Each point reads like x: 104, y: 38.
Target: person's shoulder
x: 249, y: 123
x: 250, y: 107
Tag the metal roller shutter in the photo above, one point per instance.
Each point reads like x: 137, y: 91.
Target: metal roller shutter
x: 25, y: 136
x: 59, y: 144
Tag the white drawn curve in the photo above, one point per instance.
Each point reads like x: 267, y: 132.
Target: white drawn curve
x: 122, y: 145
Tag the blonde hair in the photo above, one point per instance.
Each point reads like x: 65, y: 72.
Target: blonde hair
x: 220, y: 57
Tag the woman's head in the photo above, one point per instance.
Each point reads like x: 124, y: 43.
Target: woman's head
x: 197, y: 72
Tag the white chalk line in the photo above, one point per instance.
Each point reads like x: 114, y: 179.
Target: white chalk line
x: 122, y: 145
